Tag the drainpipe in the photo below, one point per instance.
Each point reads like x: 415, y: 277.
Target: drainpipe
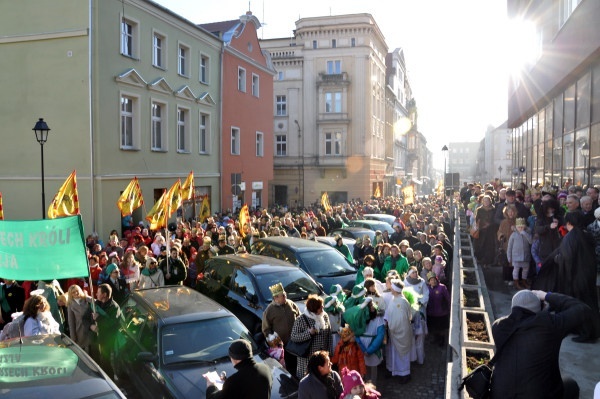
x: 91, y: 113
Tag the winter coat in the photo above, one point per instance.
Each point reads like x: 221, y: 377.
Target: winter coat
x: 519, y: 247
x: 252, y: 381
x: 311, y: 387
x: 528, y: 366
x: 80, y: 320
x: 348, y: 354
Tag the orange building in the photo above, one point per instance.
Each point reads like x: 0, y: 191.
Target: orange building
x: 247, y: 114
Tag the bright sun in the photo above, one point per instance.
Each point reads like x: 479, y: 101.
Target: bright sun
x: 523, y: 46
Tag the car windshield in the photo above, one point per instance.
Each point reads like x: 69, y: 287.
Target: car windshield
x: 326, y: 263
x: 296, y: 283
x: 201, y: 341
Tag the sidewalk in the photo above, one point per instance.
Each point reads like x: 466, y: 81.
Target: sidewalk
x: 579, y: 361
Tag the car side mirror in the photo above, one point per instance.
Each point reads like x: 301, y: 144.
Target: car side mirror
x: 146, y: 357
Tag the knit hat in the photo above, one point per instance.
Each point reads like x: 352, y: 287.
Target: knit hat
x: 520, y: 222
x: 149, y: 261
x: 431, y: 275
x: 527, y: 300
x: 350, y: 379
x: 111, y: 268
x: 240, y: 349
x: 337, y: 290
x: 333, y: 305
x: 562, y: 194
x: 597, y: 213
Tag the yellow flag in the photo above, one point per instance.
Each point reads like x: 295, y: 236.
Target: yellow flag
x: 187, y: 188
x: 66, y: 200
x: 377, y: 193
x: 131, y: 199
x: 157, y: 215
x: 1, y: 209
x: 174, y: 200
x: 325, y: 202
x: 409, y: 195
x: 205, y: 211
x: 244, y: 220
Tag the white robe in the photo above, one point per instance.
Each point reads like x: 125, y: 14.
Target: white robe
x: 398, y: 316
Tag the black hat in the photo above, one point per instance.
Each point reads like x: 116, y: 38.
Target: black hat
x: 163, y: 248
x: 240, y: 349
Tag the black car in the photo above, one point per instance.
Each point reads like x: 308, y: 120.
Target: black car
x: 170, y: 336
x: 322, y: 262
x: 241, y: 284
x: 353, y: 232
x: 51, y: 366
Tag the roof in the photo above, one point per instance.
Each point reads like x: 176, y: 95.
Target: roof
x: 176, y: 300
x: 220, y: 28
x: 258, y: 263
x: 296, y: 243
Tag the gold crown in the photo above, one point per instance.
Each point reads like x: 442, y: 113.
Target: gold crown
x: 276, y: 289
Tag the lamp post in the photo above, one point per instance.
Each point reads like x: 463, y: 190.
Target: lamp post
x: 585, y: 153
x: 41, y: 130
x: 445, y: 151
x: 500, y: 171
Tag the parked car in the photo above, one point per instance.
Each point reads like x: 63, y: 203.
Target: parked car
x: 170, y: 336
x: 353, y: 232
x: 349, y: 242
x: 241, y: 284
x: 382, y: 217
x: 51, y: 366
x: 324, y: 264
x: 372, y: 225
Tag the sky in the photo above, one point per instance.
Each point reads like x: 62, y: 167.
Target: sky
x: 455, y: 52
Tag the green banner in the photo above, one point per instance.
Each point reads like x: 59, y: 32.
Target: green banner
x: 27, y: 363
x: 42, y: 249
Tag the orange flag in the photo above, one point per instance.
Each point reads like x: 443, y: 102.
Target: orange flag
x: 205, y: 209
x: 1, y: 209
x: 157, y: 215
x: 174, y: 199
x: 244, y: 220
x: 66, y: 200
x: 131, y: 199
x: 187, y: 188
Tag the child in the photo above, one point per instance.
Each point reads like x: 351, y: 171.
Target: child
x: 519, y: 253
x: 439, y: 268
x: 348, y: 354
x: 276, y: 350
x: 355, y: 387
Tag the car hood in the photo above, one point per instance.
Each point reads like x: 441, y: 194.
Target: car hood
x: 186, y: 381
x: 346, y: 281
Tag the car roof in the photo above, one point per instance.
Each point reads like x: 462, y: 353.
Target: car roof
x: 177, y: 303
x: 355, y: 229
x: 296, y: 244
x: 331, y: 240
x: 256, y: 264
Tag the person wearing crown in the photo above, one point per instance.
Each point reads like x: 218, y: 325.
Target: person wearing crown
x: 279, y: 318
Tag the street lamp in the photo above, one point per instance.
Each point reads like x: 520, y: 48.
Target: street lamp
x: 41, y: 130
x: 445, y: 151
x: 585, y: 153
x: 500, y: 171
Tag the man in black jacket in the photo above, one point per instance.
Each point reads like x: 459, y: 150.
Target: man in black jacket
x: 528, y: 366
x: 252, y: 380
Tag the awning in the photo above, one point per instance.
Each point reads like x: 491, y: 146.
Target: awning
x: 419, y: 182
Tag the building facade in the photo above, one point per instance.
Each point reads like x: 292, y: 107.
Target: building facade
x: 330, y: 107
x: 128, y: 89
x: 554, y: 105
x: 247, y: 114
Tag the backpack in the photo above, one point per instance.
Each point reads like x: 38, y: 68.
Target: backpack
x: 14, y: 329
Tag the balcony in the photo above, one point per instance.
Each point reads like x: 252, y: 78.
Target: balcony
x: 334, y: 79
x: 333, y: 117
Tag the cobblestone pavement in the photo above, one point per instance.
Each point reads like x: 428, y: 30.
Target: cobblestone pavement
x: 427, y: 380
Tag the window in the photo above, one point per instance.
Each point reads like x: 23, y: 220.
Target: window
x: 353, y: 42
x: 281, y: 105
x: 334, y: 67
x: 158, y: 113
x: 280, y: 145
x: 204, y: 69
x: 128, y: 37
x: 204, y: 133
x: 260, y: 147
x: 242, y: 79
x: 235, y: 141
x: 333, y: 102
x: 128, y: 122
x: 566, y: 8
x: 158, y: 50
x: 333, y: 143
x: 280, y: 75
x: 333, y: 43
x: 182, y: 130
x: 182, y: 60
x: 255, y: 85
x: 315, y: 44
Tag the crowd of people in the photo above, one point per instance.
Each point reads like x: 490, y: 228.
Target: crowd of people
x: 543, y: 237
x: 400, y: 294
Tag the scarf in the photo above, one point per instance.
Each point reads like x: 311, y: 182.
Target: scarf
x: 4, y: 300
x: 149, y: 272
x: 318, y: 318
x: 413, y: 281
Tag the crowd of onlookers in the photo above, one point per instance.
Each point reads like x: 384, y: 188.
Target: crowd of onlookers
x: 544, y: 237
x: 399, y: 298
